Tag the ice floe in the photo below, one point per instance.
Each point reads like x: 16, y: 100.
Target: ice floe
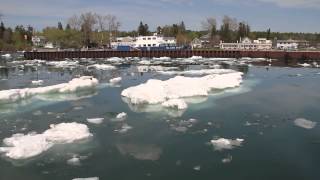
x: 124, y: 128
x: 158, y: 91
x: 89, y: 178
x: 305, y: 65
x: 74, y: 161
x: 122, y: 115
x: 182, y: 126
x: 222, y: 143
x: 115, y: 80
x: 95, y: 120
x: 198, y: 72
x: 62, y: 64
x: 304, y: 123
x: 76, y: 84
x: 102, y: 67
x: 37, y: 82
x: 24, y: 146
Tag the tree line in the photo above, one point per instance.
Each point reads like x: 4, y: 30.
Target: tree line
x: 96, y: 30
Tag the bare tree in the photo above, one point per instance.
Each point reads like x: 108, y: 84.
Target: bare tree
x: 113, y: 26
x: 209, y: 23
x: 88, y: 21
x: 74, y: 22
x: 232, y: 22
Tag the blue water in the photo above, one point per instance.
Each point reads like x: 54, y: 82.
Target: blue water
x: 262, y: 112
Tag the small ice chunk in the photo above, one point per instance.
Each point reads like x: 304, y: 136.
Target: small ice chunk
x: 304, y: 123
x: 305, y: 65
x: 6, y: 55
x: 228, y: 159
x: 124, y: 128
x: 89, y: 178
x: 222, y: 143
x: 95, y: 120
x: 74, y: 161
x: 122, y: 115
x: 197, y: 168
x: 115, y: 80
x: 21, y: 146
x: 175, y: 103
x: 37, y: 83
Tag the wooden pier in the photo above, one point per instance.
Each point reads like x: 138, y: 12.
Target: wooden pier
x: 286, y: 55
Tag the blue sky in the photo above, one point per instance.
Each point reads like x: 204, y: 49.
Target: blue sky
x: 279, y: 15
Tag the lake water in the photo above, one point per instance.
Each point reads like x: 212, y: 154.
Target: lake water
x: 262, y: 112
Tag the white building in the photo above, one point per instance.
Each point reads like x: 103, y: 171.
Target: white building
x: 145, y: 41
x: 38, y: 41
x: 287, y: 44
x: 247, y: 44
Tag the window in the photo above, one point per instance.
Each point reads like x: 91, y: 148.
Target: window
x: 149, y: 38
x: 154, y: 45
x: 144, y: 45
x: 144, y: 38
x: 154, y: 38
x: 149, y: 45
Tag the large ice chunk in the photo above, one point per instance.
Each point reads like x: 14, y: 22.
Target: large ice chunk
x: 76, y: 84
x: 21, y: 146
x: 304, y: 123
x: 158, y: 91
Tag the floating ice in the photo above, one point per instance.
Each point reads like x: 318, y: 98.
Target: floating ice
x: 95, y: 120
x: 74, y: 161
x: 222, y: 143
x: 72, y: 86
x: 305, y: 65
x: 140, y: 151
x: 90, y: 178
x: 124, y: 128
x: 37, y: 83
x: 198, y: 72
x: 175, y: 103
x: 183, y: 125
x: 162, y: 58
x: 122, y: 115
x: 6, y: 55
x: 197, y: 168
x: 115, y: 80
x: 154, y: 68
x: 195, y: 57
x: 304, y: 123
x: 227, y: 159
x: 21, y: 146
x: 158, y: 91
x: 103, y: 67
x: 62, y: 64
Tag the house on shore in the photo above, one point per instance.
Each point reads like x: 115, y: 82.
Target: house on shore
x: 248, y: 44
x: 292, y: 44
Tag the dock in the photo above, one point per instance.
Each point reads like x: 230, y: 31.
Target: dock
x: 274, y: 54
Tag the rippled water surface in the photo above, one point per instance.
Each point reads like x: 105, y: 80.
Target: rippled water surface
x: 164, y: 143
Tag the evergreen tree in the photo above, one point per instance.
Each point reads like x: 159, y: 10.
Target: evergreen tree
x: 68, y: 27
x: 182, y: 27
x: 159, y: 30
x: 141, y: 29
x: 60, y: 27
x: 146, y: 29
x: 269, y: 33
x: 2, y: 29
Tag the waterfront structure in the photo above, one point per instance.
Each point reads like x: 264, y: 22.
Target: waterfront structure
x: 38, y: 41
x: 292, y: 44
x: 247, y: 44
x: 145, y: 42
x: 196, y: 43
